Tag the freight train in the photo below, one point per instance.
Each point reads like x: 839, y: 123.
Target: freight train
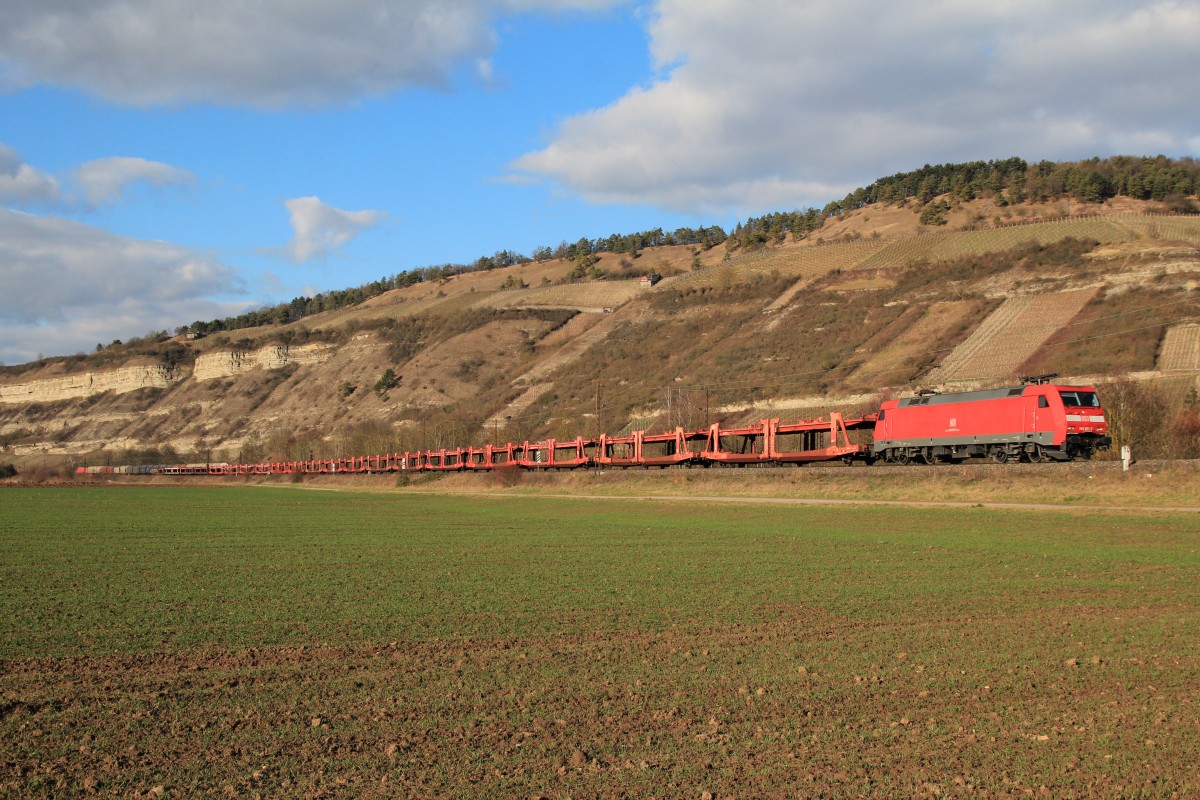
x: 1033, y: 422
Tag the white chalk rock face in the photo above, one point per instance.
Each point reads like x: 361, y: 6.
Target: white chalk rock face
x: 228, y: 363
x: 85, y: 384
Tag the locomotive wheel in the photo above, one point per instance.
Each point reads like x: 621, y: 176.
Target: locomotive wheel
x: 901, y: 458
x: 999, y: 455
x: 926, y: 457
x: 1034, y: 455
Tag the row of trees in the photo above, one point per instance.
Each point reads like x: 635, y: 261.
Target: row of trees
x: 704, y: 238
x: 1013, y: 180
x: 771, y: 228
x: 300, y: 307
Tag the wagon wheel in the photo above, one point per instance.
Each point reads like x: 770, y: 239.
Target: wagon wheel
x: 999, y: 455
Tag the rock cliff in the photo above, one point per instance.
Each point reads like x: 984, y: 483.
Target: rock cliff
x: 227, y: 364
x: 86, y: 384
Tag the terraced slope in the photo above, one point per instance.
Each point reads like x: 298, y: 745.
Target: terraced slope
x: 801, y: 261
x: 946, y: 245
x: 1166, y: 228
x: 1009, y: 336
x: 895, y: 361
x: 1181, y: 348
x: 580, y: 296
x: 820, y: 261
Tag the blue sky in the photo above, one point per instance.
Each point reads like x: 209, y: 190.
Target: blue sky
x: 161, y: 163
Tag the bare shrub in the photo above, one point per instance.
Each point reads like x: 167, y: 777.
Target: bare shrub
x: 507, y: 475
x: 1158, y: 419
x: 40, y: 474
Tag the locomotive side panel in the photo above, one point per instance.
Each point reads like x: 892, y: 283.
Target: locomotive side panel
x: 1028, y: 422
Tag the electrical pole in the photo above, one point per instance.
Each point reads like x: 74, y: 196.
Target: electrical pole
x: 597, y: 409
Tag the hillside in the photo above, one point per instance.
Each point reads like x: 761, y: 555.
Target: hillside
x: 873, y: 302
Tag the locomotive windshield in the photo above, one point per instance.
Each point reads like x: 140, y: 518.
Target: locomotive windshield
x: 1084, y: 399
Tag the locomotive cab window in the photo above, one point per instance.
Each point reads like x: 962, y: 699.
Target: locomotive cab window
x: 1082, y: 399
x: 1043, y: 401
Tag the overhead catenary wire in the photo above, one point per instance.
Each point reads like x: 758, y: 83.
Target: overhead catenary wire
x: 654, y: 394
x: 747, y: 384
x: 650, y: 394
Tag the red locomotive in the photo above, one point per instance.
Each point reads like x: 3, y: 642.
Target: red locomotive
x: 1030, y: 422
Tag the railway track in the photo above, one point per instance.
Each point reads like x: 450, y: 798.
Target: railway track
x: 977, y: 467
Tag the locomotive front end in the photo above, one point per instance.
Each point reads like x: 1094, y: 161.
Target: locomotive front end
x: 1086, y: 424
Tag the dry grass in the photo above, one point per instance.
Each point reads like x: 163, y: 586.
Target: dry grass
x: 916, y: 339
x: 1082, y: 486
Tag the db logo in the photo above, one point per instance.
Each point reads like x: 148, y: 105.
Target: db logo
x: 954, y: 422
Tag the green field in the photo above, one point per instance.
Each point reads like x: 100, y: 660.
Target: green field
x: 233, y: 641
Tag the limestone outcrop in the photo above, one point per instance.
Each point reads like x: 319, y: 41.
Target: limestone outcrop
x: 228, y: 363
x: 86, y: 384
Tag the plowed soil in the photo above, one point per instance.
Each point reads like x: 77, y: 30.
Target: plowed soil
x: 338, y: 645
x: 754, y: 711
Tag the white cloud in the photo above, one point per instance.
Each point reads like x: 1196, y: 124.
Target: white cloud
x: 94, y: 183
x: 22, y: 184
x: 68, y: 285
x: 105, y: 179
x: 321, y: 229
x: 787, y: 103
x: 270, y: 53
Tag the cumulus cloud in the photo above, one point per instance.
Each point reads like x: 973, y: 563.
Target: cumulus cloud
x: 321, y: 229
x: 793, y: 102
x: 94, y: 183
x: 270, y: 53
x: 68, y: 285
x: 21, y: 184
x: 105, y: 180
